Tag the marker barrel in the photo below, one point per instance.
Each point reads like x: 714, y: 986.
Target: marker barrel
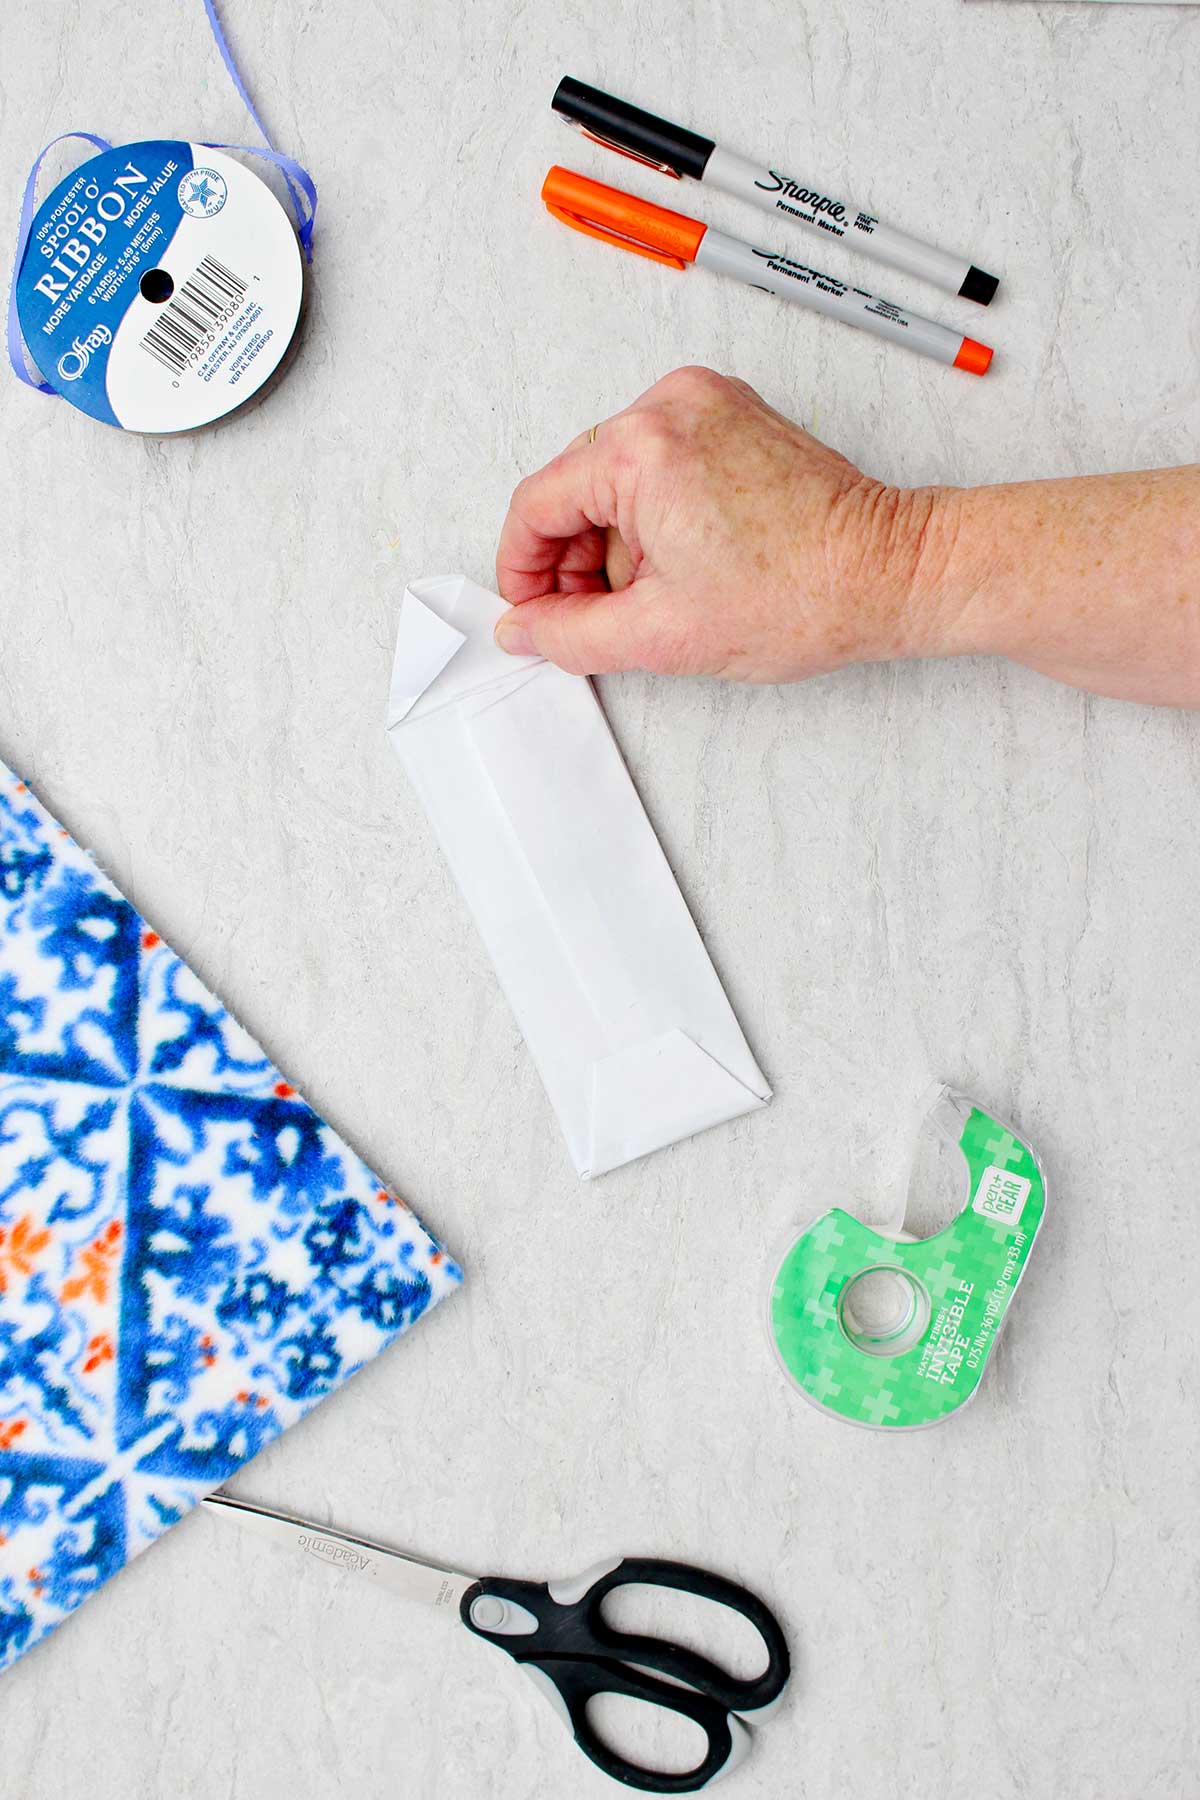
x: 825, y: 294
x: 775, y: 192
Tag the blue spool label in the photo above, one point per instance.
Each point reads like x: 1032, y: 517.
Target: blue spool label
x: 160, y: 286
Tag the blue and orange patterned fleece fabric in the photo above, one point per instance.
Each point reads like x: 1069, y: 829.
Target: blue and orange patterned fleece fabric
x: 190, y: 1258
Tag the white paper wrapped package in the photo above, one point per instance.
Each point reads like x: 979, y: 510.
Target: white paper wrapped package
x: 518, y: 771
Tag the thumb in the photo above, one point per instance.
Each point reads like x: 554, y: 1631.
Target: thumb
x: 585, y: 634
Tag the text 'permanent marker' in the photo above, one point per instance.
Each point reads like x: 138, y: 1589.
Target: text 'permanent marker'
x: 677, y: 152
x: 672, y: 238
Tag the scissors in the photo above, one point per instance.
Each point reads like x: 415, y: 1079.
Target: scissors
x: 556, y: 1632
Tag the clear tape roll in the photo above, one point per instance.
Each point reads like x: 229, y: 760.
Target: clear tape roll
x: 883, y: 1328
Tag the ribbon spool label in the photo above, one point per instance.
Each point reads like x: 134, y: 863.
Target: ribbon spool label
x: 160, y: 287
x: 897, y: 1335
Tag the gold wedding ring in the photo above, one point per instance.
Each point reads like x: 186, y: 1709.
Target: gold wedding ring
x: 592, y: 434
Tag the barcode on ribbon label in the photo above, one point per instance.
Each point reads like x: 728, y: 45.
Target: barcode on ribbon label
x: 191, y: 317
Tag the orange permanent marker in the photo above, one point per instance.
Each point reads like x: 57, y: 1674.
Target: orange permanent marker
x: 672, y: 238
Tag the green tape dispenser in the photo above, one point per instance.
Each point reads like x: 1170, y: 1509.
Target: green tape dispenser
x: 895, y: 1332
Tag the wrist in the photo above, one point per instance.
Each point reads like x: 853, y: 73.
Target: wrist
x: 895, y: 552
x: 957, y: 547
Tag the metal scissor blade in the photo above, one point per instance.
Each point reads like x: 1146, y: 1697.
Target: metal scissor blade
x: 406, y: 1575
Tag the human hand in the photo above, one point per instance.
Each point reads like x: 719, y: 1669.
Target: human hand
x: 701, y: 533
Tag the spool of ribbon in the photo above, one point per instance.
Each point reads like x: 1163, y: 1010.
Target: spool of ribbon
x: 302, y: 194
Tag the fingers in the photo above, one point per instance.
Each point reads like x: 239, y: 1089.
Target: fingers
x: 585, y: 634
x: 578, y: 525
x: 563, y: 565
x: 556, y: 520
x: 619, y: 564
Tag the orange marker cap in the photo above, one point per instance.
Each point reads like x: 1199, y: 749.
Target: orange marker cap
x: 618, y: 218
x: 973, y: 356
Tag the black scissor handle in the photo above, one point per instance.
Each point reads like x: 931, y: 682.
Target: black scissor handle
x: 733, y: 1692
x: 580, y: 1679
x: 559, y: 1628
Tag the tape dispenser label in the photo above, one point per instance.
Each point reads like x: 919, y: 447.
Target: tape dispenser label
x: 894, y: 1333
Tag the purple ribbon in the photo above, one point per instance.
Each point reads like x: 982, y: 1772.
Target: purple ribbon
x: 299, y: 181
x: 302, y: 191
x: 16, y: 344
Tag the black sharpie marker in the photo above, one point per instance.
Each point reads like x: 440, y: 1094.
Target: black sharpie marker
x: 676, y: 152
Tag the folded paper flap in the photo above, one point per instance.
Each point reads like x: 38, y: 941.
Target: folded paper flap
x: 445, y: 647
x: 658, y: 1091
x: 425, y: 643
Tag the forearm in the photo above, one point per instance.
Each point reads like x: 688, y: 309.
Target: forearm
x: 1092, y: 580
x: 699, y: 532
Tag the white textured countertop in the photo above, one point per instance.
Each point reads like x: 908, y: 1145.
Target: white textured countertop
x: 955, y: 870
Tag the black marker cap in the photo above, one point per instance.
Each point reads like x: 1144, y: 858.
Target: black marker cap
x: 629, y: 129
x: 979, y: 286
